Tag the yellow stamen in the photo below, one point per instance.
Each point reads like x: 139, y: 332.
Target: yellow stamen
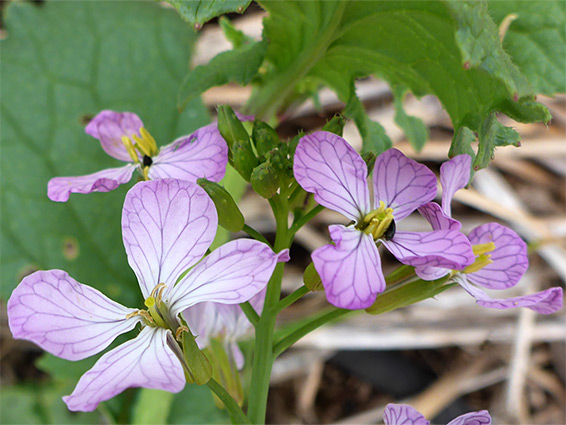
x: 141, y: 145
x: 483, y: 248
x: 144, y: 314
x: 481, y: 261
x: 150, y: 303
x: 130, y: 148
x: 377, y: 222
x: 150, y: 141
x: 146, y: 173
x: 179, y: 331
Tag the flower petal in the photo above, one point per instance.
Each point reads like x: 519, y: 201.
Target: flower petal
x: 402, y: 183
x: 202, y: 154
x: 439, y: 248
x: 509, y: 258
x: 473, y: 418
x: 167, y: 227
x: 433, y: 213
x: 59, y: 188
x: 66, y: 318
x: 145, y: 361
x: 544, y: 302
x: 431, y: 273
x: 231, y: 274
x: 109, y: 127
x: 326, y: 165
x: 350, y: 270
x: 454, y: 175
x: 403, y: 414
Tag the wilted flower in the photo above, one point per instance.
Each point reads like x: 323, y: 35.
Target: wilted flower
x: 326, y: 165
x: 122, y: 136
x: 167, y: 227
x: 403, y: 414
x: 501, y: 255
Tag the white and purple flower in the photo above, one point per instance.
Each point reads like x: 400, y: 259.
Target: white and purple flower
x: 350, y: 269
x: 501, y: 255
x: 403, y: 414
x: 122, y: 135
x: 167, y: 227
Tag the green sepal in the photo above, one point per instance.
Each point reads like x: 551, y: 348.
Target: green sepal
x: 243, y: 159
x: 265, y: 180
x: 408, y: 294
x: 229, y: 215
x: 199, y: 368
x: 231, y: 127
x: 312, y: 279
x: 264, y: 137
x: 335, y: 125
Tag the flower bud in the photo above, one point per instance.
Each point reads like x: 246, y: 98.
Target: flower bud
x: 230, y: 127
x: 229, y: 215
x: 312, y: 279
x: 264, y: 137
x: 243, y: 159
x: 265, y: 180
x: 335, y: 125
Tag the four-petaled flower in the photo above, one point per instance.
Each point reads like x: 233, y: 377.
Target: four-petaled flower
x: 501, y: 254
x: 403, y: 414
x: 326, y: 165
x: 167, y: 227
x: 122, y: 135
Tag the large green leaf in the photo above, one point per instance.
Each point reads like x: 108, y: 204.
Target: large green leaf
x: 450, y: 49
x: 536, y: 40
x: 197, y: 12
x: 126, y: 56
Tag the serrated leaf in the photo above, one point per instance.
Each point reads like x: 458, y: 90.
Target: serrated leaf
x: 238, y: 65
x: 126, y: 56
x: 492, y: 134
x: 413, y: 127
x: 197, y: 12
x: 536, y: 40
x: 450, y: 49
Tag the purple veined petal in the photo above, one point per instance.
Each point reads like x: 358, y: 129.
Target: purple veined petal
x: 203, y: 154
x: 59, y: 188
x: 145, y: 361
x: 544, y: 302
x: 431, y: 273
x: 433, y: 213
x: 64, y: 317
x: 109, y: 127
x: 326, y: 165
x: 439, y: 248
x: 167, y: 226
x: 237, y: 355
x: 350, y: 270
x: 473, y: 418
x: 231, y: 274
x: 454, y: 175
x: 403, y: 414
x: 402, y: 183
x: 204, y: 321
x: 509, y: 258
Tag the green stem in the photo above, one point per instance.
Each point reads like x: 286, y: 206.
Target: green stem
x: 238, y: 416
x: 255, y: 234
x: 294, y: 336
x: 304, y: 220
x: 250, y: 313
x: 291, y: 298
x: 296, y: 191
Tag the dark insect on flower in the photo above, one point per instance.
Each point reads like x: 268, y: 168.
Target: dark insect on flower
x: 147, y: 161
x: 390, y: 232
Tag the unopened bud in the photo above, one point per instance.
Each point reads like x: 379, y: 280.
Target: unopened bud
x: 229, y: 215
x: 230, y: 127
x: 243, y: 159
x: 264, y: 137
x: 265, y: 180
x: 335, y: 125
x: 312, y: 279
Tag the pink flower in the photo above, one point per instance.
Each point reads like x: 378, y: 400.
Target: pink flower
x: 167, y: 227
x: 403, y: 414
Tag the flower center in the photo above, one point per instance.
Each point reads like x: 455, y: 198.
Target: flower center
x: 157, y: 313
x: 144, y: 146
x: 482, y: 257
x: 379, y: 223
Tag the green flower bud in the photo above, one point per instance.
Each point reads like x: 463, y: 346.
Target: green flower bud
x: 312, y: 279
x: 264, y: 137
x: 265, y: 180
x: 335, y: 125
x: 243, y: 159
x: 230, y: 127
x: 229, y: 215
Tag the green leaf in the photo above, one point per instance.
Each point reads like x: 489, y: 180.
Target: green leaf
x: 450, y: 49
x: 239, y: 65
x: 536, y: 40
x: 18, y: 406
x: 413, y: 127
x: 195, y: 405
x: 125, y: 56
x: 152, y: 407
x: 197, y: 12
x: 491, y: 135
